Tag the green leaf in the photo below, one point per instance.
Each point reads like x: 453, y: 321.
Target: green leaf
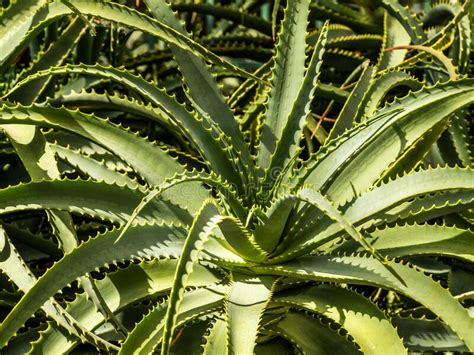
x: 245, y: 303
x: 55, y: 55
x: 201, y: 229
x: 216, y: 341
x: 241, y: 240
x: 187, y: 177
x: 391, y: 194
x: 343, y: 14
x: 367, y: 324
x: 229, y: 13
x: 367, y: 151
x: 149, y: 241
x: 382, y: 85
x: 149, y: 331
x: 425, y: 208
x: 268, y: 232
x: 442, y: 191
x: 352, y: 111
x: 30, y: 25
x: 202, y: 85
x: 96, y: 102
x: 151, y: 162
x: 94, y: 199
x: 16, y: 17
x: 13, y: 265
x: 394, y: 35
x: 461, y: 282
x: 428, y: 335
x: 426, y: 239
x: 311, y: 336
x: 289, y: 62
x: 439, y: 55
x: 39, y: 161
x: 362, y: 270
x: 37, y: 241
x: 74, y: 10
x: 196, y: 126
x: 292, y: 130
x: 318, y: 200
x: 406, y: 18
x: 92, y: 168
x: 33, y: 150
x: 455, y: 145
x: 121, y: 289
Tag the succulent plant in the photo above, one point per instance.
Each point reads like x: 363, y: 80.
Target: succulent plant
x: 253, y: 223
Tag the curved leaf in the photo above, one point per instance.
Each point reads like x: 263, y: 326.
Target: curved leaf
x: 121, y: 289
x: 425, y: 239
x: 201, y: 229
x: 149, y: 241
x: 367, y: 151
x: 17, y: 270
x: 427, y: 335
x: 30, y: 25
x: 202, y: 86
x: 369, y: 271
x: 289, y: 63
x: 392, y: 201
x: 99, y: 200
x: 151, y: 162
x: 386, y: 196
x: 244, y: 304
x: 149, y: 331
x: 311, y: 336
x: 292, y: 129
x: 367, y: 324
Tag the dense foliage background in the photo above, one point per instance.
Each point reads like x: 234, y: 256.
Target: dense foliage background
x: 236, y: 176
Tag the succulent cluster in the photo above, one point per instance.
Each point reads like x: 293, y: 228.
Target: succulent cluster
x: 236, y: 177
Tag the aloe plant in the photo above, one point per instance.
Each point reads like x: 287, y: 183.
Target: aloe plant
x: 251, y: 223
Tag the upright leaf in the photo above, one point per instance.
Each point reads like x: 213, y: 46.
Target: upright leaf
x: 245, y: 304
x: 288, y: 75
x: 201, y: 84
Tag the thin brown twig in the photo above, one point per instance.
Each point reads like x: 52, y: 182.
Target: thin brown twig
x: 323, y: 117
x: 177, y: 337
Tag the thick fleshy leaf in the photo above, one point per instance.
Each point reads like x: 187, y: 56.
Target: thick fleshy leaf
x: 425, y: 193
x: 149, y: 331
x: 289, y: 62
x: 203, y: 226
x: 363, y: 155
x: 216, y: 341
x: 148, y: 241
x: 425, y: 239
x: 153, y: 163
x: 367, y: 324
x: 12, y: 264
x: 245, y: 303
x: 292, y: 131
x: 201, y: 84
x: 353, y: 108
x: 311, y: 336
x: 268, y: 232
x: 196, y: 126
x: 393, y: 193
x: 428, y: 334
x: 35, y: 18
x: 55, y: 55
x: 121, y: 289
x: 369, y: 271
x: 95, y: 199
